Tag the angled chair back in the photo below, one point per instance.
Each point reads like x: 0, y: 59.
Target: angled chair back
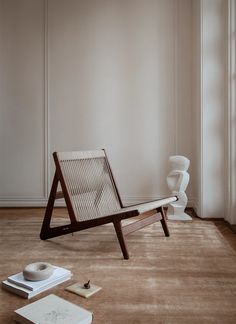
x: 89, y: 183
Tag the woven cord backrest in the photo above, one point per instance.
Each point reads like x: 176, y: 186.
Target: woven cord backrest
x: 89, y: 183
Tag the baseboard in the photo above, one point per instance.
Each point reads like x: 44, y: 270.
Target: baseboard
x: 42, y: 202
x: 232, y: 227
x: 23, y: 202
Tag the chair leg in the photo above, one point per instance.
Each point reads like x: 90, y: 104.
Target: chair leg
x: 45, y: 229
x: 163, y: 222
x: 120, y: 236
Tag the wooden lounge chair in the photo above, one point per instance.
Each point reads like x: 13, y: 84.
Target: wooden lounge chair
x: 92, y: 198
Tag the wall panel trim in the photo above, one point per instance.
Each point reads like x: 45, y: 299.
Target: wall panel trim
x: 175, y: 72
x: 46, y: 104
x: 12, y: 201
x: 42, y: 202
x: 231, y: 114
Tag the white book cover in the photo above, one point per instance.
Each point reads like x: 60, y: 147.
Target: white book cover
x: 19, y: 280
x: 53, y: 310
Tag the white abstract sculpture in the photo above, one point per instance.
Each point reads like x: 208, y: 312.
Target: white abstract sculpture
x: 177, y: 181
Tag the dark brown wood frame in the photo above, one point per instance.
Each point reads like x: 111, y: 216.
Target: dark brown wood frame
x: 48, y: 232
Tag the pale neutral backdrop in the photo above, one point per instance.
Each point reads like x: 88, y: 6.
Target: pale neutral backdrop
x: 121, y: 75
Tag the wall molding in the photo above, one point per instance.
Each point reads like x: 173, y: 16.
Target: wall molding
x: 46, y: 106
x: 231, y: 114
x: 23, y: 202
x: 42, y: 202
x: 175, y: 70
x: 200, y: 205
x: 12, y: 201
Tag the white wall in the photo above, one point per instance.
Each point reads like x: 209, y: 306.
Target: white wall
x: 118, y: 75
x: 213, y: 108
x: 210, y: 94
x: 21, y: 100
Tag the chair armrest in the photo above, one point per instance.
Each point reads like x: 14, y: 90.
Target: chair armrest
x: 150, y: 205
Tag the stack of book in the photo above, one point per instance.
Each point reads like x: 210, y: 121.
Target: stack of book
x: 28, y: 289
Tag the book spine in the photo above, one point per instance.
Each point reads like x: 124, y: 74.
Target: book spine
x: 27, y: 293
x: 28, y: 287
x: 15, y: 290
x: 20, y: 284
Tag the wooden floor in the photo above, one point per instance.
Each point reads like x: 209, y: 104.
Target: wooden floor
x: 223, y: 227
x: 187, y: 278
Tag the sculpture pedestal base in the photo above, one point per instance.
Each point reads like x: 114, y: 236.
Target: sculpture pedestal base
x: 183, y: 217
x: 176, y: 209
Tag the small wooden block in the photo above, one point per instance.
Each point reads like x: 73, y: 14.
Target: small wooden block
x: 79, y: 289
